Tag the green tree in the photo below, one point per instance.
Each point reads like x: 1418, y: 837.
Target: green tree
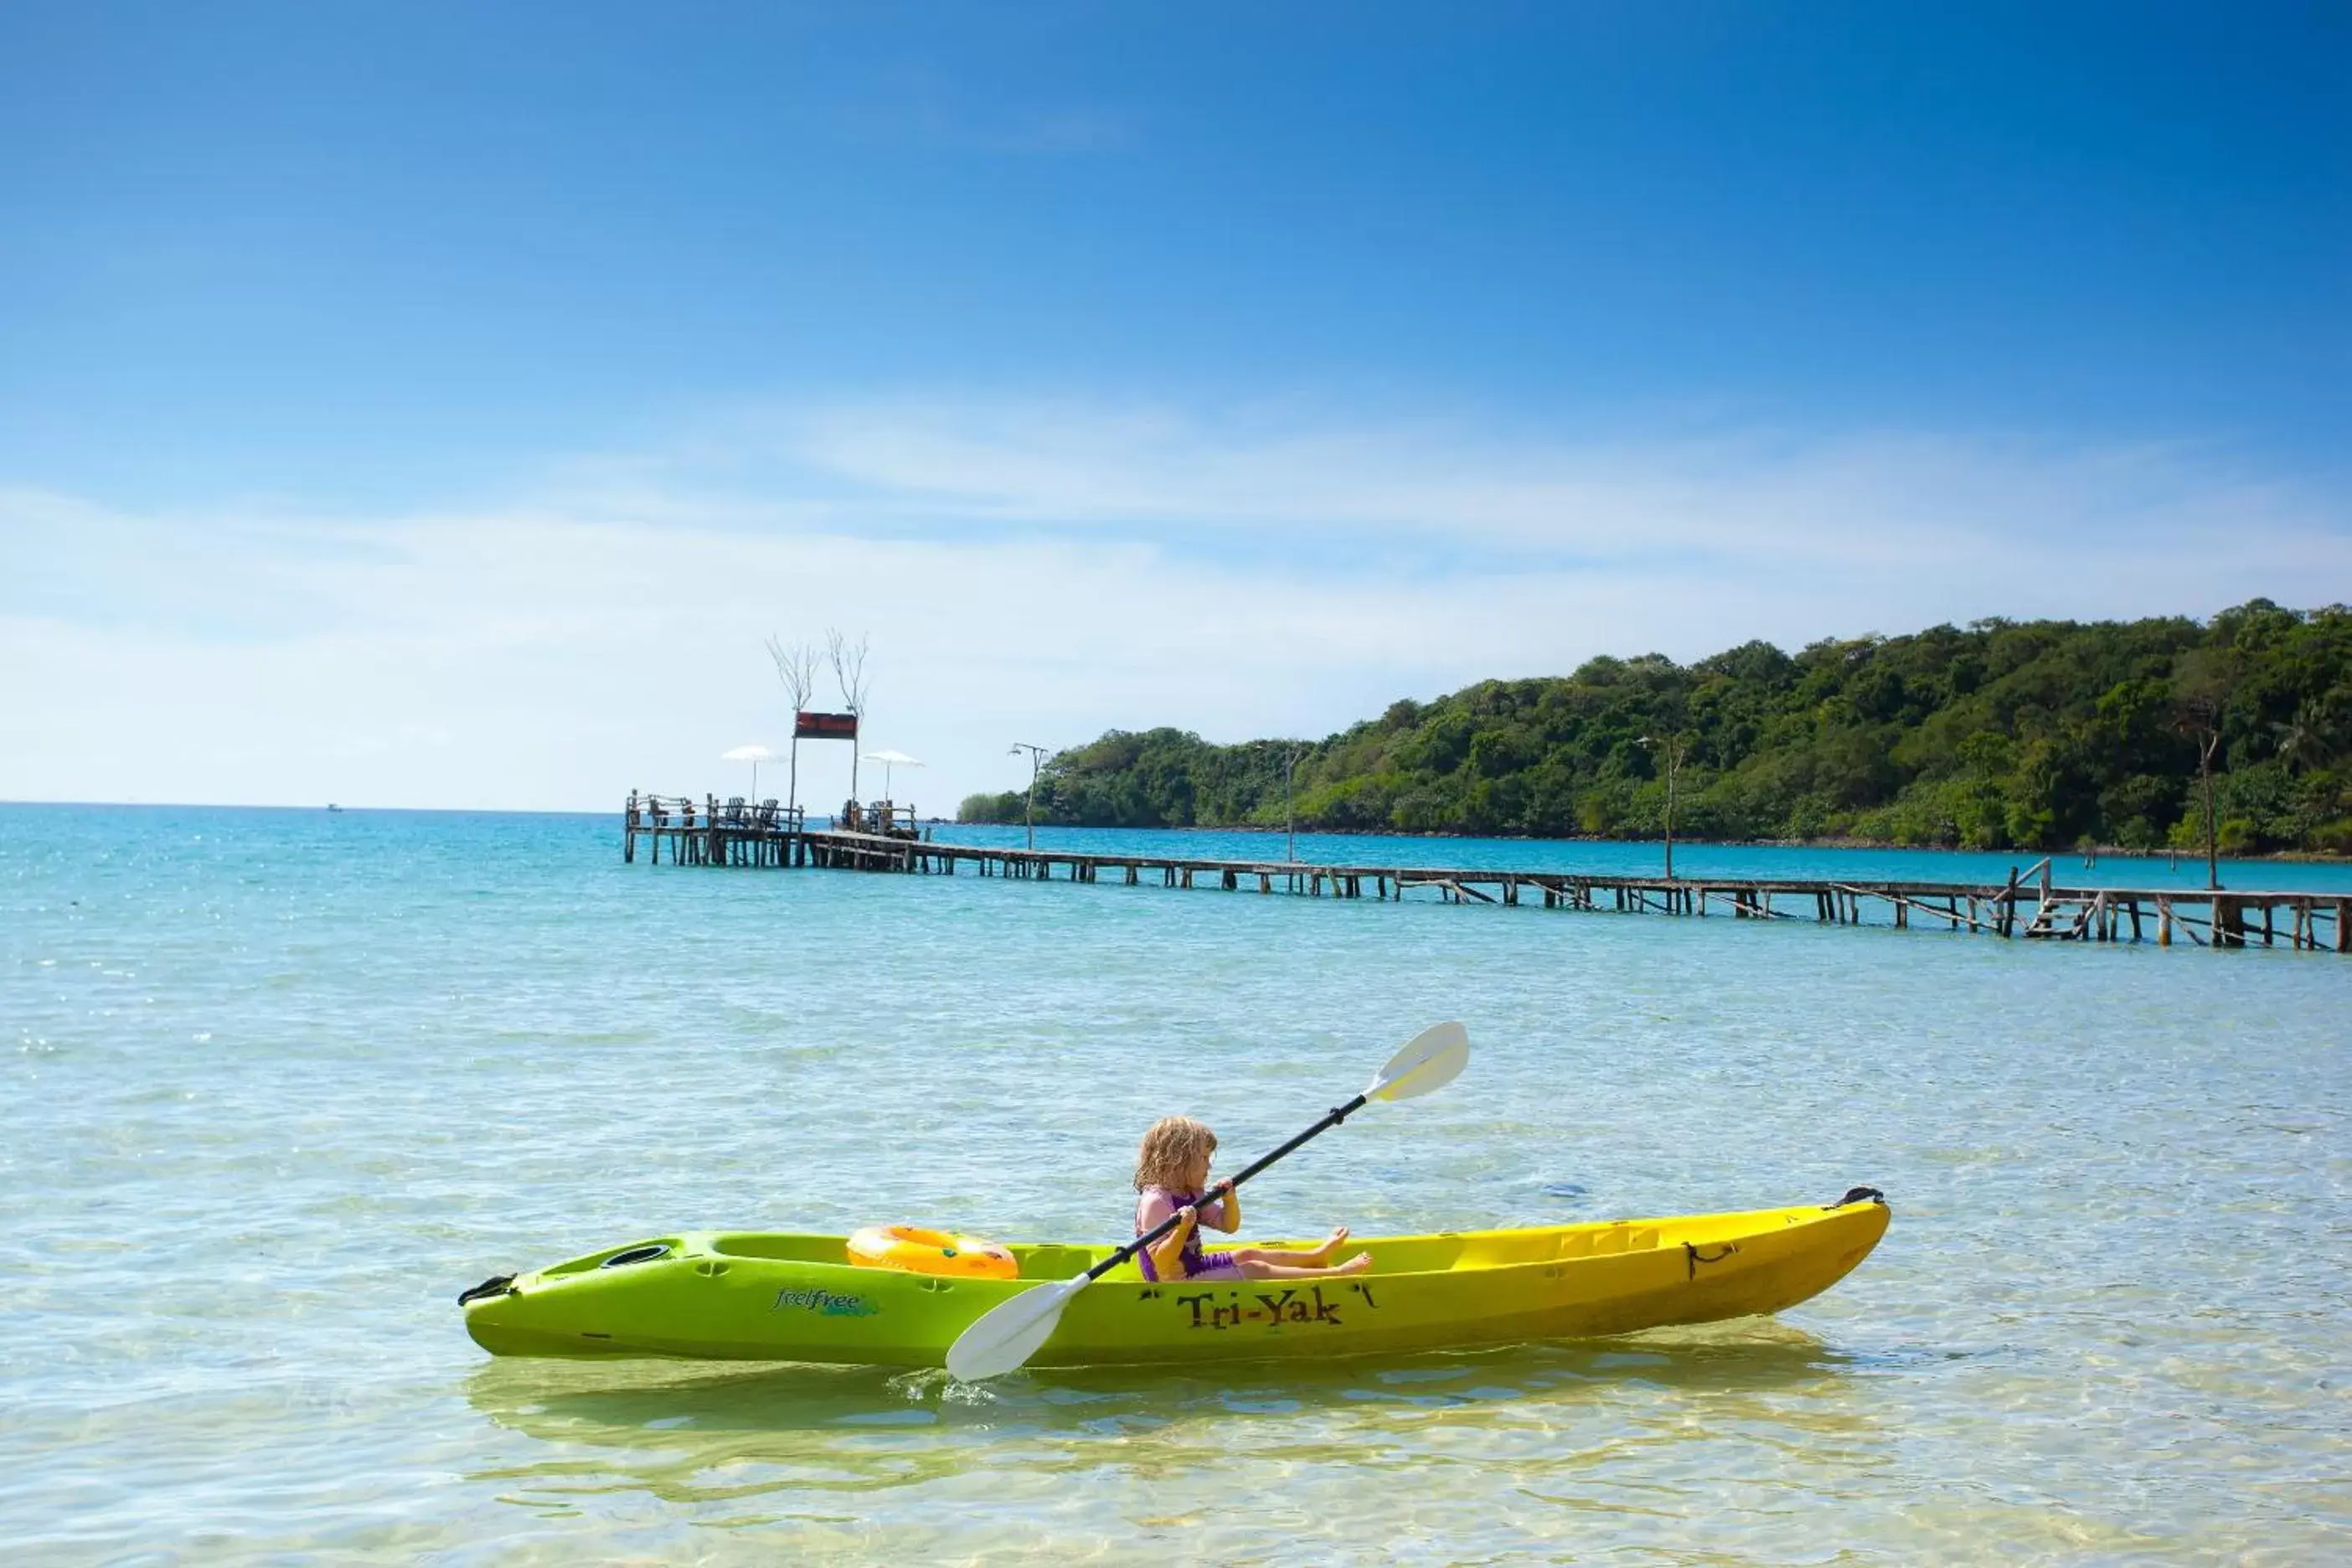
x: 1999, y: 734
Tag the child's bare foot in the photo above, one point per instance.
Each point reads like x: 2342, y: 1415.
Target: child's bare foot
x: 1359, y: 1264
x: 1322, y: 1255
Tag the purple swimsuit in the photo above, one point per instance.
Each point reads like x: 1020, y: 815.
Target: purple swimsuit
x: 1196, y: 1263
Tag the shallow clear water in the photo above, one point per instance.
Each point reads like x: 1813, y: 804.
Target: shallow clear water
x: 282, y: 1083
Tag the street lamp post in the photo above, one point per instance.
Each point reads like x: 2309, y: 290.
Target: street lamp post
x: 1676, y: 746
x: 1029, y: 802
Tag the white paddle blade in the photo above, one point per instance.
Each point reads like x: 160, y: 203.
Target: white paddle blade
x: 1003, y: 1338
x: 1430, y: 1061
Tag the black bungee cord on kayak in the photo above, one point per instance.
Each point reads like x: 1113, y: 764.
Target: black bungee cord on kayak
x: 1694, y: 1256
x: 496, y: 1285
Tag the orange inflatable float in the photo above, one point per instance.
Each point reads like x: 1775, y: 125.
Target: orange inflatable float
x: 919, y: 1251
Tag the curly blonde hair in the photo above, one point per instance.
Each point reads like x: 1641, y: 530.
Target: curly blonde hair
x: 1169, y: 1152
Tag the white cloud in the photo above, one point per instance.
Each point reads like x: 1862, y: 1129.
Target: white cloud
x: 1032, y: 572
x: 1744, y: 495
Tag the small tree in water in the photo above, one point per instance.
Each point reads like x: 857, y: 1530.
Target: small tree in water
x: 2201, y: 682
x: 796, y: 672
x: 849, y: 670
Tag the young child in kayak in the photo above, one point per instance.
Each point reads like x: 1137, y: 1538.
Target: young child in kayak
x: 1172, y: 1176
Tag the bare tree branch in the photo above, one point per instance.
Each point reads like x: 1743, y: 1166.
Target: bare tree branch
x: 795, y: 669
x: 796, y: 672
x: 849, y: 670
x: 2203, y: 681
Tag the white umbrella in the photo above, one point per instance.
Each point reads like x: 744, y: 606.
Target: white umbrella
x: 890, y: 759
x: 755, y: 755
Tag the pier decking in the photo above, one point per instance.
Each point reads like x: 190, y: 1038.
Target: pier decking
x: 2029, y: 905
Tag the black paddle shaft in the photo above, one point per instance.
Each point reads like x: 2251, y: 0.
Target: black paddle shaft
x: 1331, y: 1118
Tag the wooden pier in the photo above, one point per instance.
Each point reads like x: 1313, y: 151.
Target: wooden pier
x: 2029, y: 905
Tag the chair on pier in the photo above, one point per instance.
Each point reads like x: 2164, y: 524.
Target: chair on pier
x: 734, y: 817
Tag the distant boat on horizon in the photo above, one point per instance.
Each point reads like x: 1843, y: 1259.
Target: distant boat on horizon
x: 332, y: 806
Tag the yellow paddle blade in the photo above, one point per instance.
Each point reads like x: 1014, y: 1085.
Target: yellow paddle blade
x: 1430, y: 1061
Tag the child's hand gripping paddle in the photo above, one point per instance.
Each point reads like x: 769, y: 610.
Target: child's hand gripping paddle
x: 1007, y: 1335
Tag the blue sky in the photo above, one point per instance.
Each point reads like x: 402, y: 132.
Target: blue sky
x: 387, y: 393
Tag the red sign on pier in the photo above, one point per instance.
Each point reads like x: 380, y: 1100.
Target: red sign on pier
x: 825, y: 727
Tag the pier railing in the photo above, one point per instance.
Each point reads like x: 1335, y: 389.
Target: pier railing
x: 735, y: 831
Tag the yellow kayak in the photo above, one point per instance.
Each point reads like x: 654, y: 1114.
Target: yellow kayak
x: 744, y: 1296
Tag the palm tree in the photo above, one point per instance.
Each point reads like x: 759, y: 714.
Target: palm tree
x: 2305, y: 742
x: 2202, y: 682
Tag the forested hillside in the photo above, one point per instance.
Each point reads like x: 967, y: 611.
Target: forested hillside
x: 2035, y: 735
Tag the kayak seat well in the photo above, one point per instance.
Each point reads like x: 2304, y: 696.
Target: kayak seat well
x: 1603, y: 1241
x: 1052, y: 1261
x: 783, y: 1248
x: 1046, y: 1261
x: 1510, y: 1248
x: 1499, y: 1249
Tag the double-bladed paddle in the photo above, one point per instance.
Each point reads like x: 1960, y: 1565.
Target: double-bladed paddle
x: 1005, y: 1336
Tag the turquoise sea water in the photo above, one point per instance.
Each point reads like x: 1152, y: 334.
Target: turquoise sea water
x: 281, y: 1083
